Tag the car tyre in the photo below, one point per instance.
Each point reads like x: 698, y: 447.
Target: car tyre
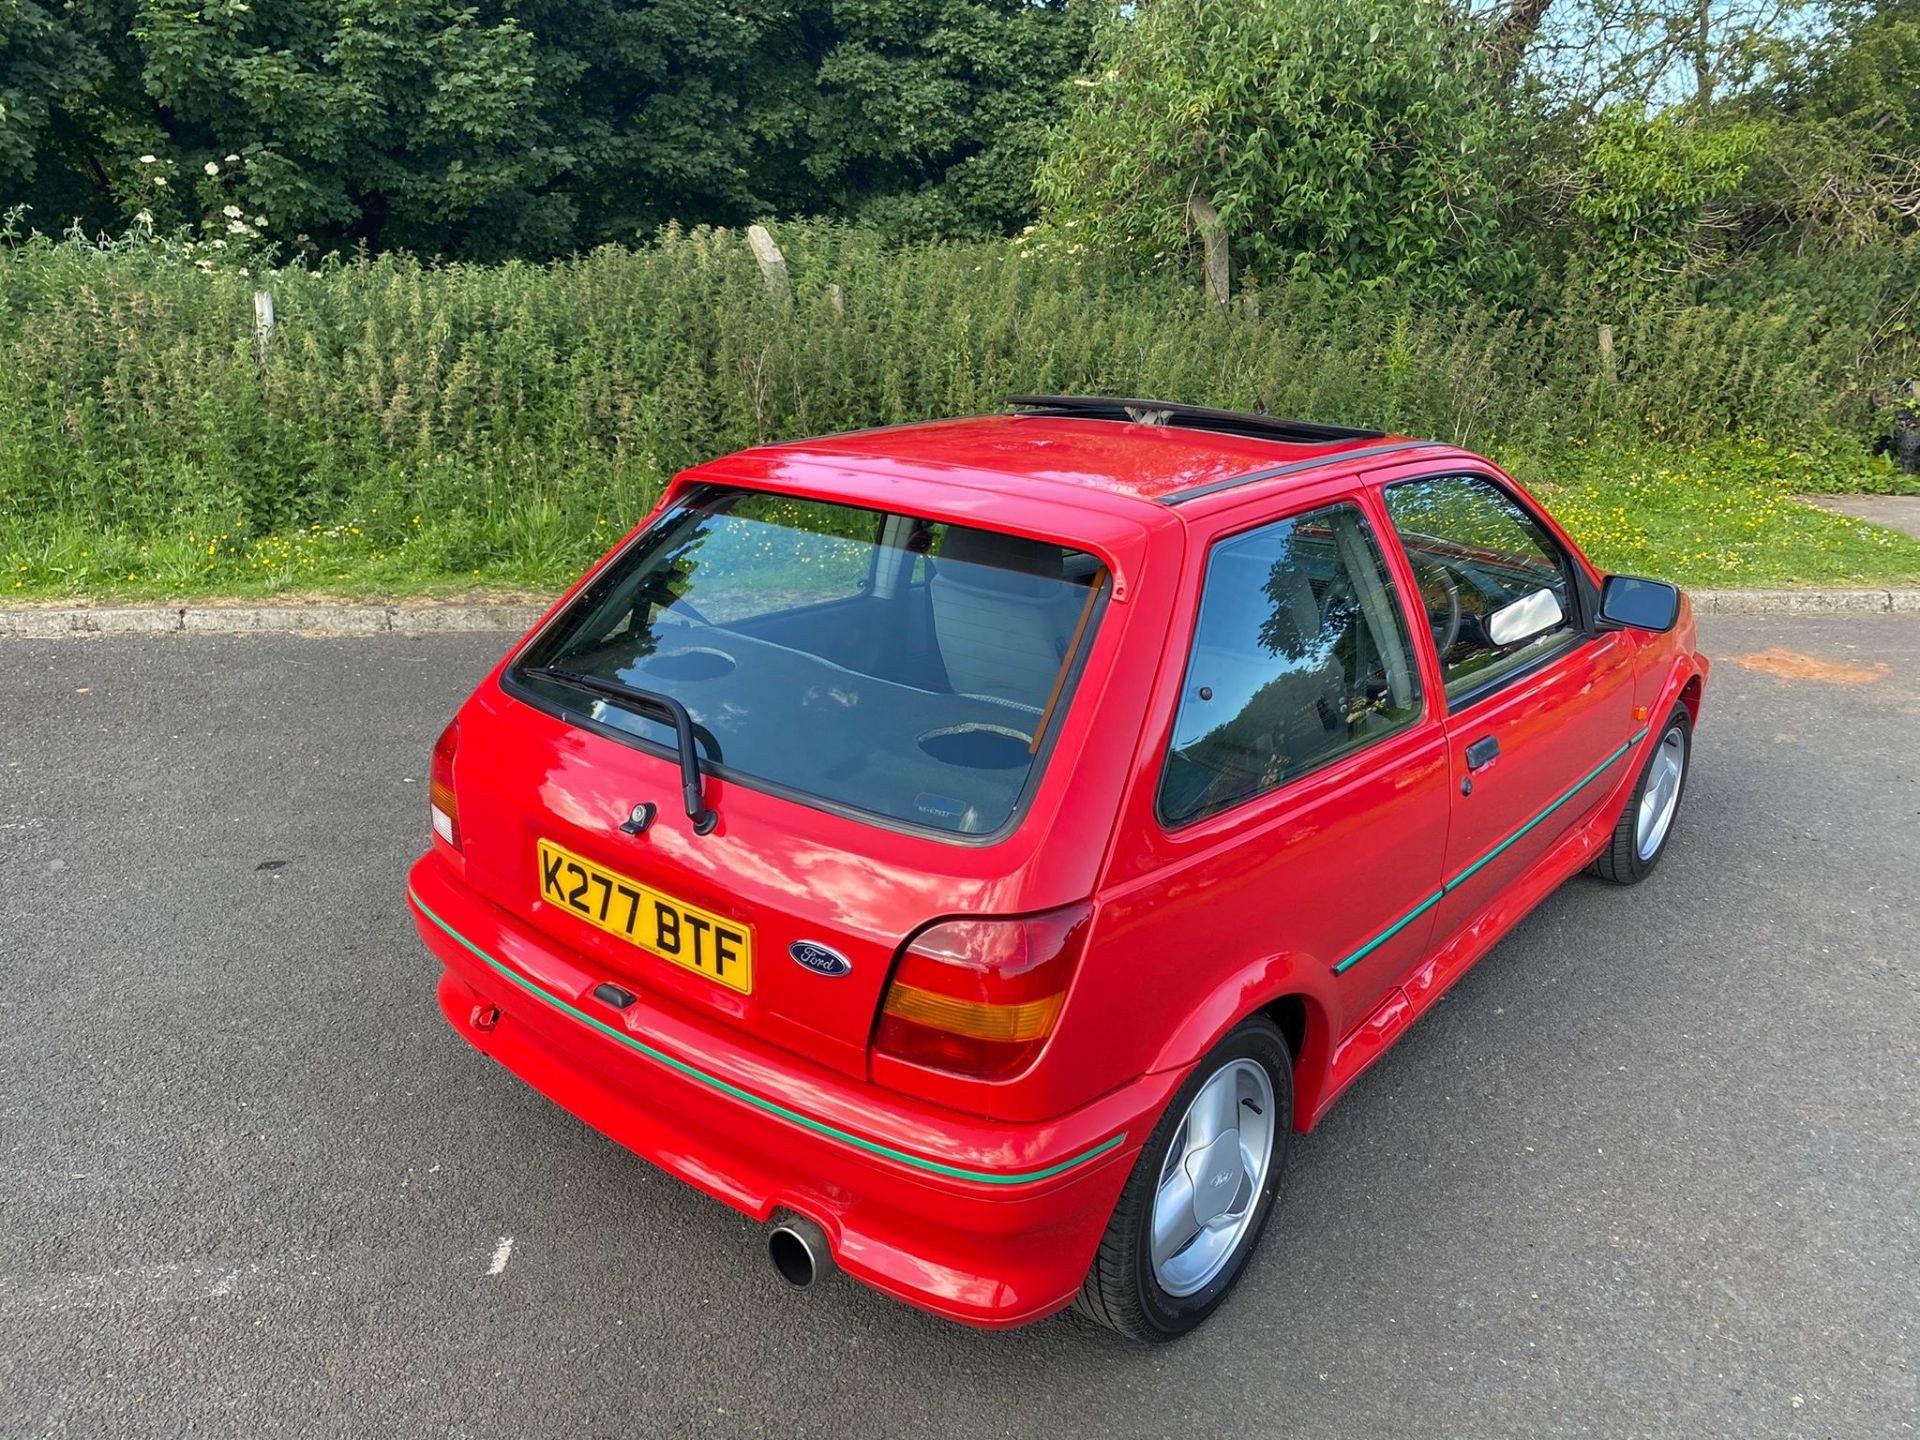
x: 1645, y: 827
x: 1248, y: 1075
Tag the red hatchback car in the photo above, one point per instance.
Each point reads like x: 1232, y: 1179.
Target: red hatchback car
x: 975, y: 847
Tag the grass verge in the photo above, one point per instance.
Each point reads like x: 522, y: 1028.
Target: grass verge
x: 1717, y: 517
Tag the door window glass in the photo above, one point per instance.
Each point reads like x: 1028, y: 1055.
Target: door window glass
x: 1495, y: 586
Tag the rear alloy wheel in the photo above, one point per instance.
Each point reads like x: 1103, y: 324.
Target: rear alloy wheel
x: 1199, y: 1194
x: 1640, y: 838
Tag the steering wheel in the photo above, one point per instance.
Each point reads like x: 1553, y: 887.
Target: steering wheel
x: 1429, y: 574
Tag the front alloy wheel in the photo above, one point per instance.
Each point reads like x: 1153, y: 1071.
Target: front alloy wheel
x: 1645, y: 826
x: 1199, y: 1194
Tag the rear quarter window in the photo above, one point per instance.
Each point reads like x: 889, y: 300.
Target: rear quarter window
x: 1299, y: 657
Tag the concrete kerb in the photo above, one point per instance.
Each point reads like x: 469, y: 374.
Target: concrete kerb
x: 53, y: 622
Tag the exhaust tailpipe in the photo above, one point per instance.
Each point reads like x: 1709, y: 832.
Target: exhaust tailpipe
x: 799, y: 1251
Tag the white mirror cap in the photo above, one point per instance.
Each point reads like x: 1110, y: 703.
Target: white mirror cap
x: 1525, y: 618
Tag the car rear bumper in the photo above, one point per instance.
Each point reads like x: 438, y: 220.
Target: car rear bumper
x: 986, y: 1223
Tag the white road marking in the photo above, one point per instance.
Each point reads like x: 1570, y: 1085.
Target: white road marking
x: 501, y: 1254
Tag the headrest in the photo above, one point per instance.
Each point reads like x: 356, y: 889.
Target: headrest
x: 994, y: 550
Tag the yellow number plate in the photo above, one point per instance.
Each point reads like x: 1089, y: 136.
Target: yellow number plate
x: 681, y: 934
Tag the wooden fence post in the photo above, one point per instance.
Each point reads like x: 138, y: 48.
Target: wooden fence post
x: 773, y: 265
x: 262, y: 326
x: 1219, y: 269
x: 837, y: 301
x: 1604, y: 336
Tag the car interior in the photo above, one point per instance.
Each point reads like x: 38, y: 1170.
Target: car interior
x: 919, y: 696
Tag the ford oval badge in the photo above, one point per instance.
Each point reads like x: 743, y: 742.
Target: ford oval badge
x: 821, y: 959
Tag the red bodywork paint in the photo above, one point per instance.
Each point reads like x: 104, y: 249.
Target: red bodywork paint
x: 984, y: 1200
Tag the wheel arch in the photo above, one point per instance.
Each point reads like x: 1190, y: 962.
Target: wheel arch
x: 1293, y: 991
x: 1690, y: 696
x: 1308, y: 1031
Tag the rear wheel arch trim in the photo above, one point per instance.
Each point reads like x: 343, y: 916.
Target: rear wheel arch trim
x: 1286, y: 997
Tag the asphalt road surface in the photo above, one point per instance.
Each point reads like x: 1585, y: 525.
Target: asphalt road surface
x: 1653, y: 1169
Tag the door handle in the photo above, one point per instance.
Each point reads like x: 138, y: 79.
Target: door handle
x: 1482, y: 752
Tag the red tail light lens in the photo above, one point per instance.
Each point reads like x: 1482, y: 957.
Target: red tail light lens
x: 979, y: 997
x: 444, y: 809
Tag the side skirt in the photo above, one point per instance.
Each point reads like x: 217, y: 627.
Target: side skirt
x: 1423, y: 985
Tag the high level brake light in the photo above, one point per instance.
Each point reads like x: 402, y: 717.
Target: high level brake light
x: 444, y: 809
x: 979, y: 997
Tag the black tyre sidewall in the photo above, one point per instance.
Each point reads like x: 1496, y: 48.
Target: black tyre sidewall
x: 1256, y: 1039
x: 1642, y: 868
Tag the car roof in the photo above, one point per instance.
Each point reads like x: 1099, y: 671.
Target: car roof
x: 1043, y: 457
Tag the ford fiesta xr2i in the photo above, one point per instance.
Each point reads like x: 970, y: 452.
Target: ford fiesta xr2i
x: 974, y: 848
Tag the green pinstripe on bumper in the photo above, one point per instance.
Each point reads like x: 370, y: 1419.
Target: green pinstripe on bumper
x: 772, y: 1107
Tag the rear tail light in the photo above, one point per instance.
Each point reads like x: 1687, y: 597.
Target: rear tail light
x: 441, y: 804
x: 979, y: 997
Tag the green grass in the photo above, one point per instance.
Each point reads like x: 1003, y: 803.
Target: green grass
x: 1722, y: 516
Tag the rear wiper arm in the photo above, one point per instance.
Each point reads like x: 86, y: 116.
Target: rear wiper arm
x: 703, y: 819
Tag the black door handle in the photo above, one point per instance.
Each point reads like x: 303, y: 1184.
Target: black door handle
x: 1481, y: 752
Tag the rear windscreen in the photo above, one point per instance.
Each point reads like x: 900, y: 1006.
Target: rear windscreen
x: 884, y: 663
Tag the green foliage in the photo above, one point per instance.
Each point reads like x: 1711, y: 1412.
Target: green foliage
x: 416, y: 112
x: 452, y: 424
x: 1844, y: 165
x: 929, y: 114
x: 1646, y: 189
x: 1363, y: 141
x: 1866, y: 75
x: 499, y: 129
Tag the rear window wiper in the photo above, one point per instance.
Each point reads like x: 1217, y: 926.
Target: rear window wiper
x: 703, y: 819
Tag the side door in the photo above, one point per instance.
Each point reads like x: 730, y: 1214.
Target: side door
x: 1288, y: 819
x: 1539, y: 700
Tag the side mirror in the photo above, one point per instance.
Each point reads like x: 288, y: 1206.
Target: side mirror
x: 1525, y: 618
x: 1643, y: 604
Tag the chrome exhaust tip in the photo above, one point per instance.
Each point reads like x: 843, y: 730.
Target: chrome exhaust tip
x: 799, y: 1251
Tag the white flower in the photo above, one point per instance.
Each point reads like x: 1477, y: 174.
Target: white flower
x: 211, y: 168
x: 233, y: 159
x: 160, y: 180
x: 232, y: 212
x: 259, y: 219
x: 219, y: 244
x: 239, y: 227
x: 146, y: 159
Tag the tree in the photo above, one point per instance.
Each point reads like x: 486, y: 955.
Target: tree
x: 406, y: 122
x: 53, y: 69
x: 1847, y: 168
x: 487, y: 128
x: 1652, y: 54
x: 927, y: 116
x: 1656, y: 197
x: 1365, y: 141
